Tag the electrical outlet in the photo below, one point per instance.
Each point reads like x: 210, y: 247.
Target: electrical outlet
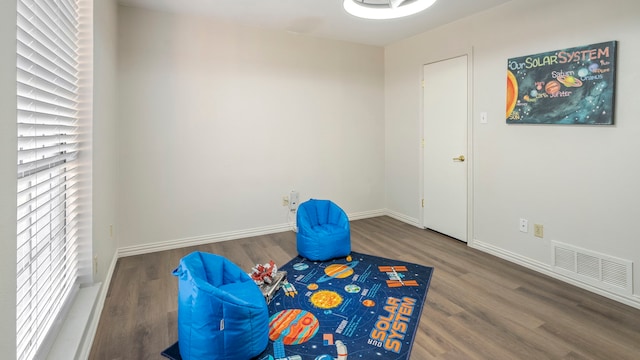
x: 285, y: 200
x: 293, y: 200
x: 524, y: 225
x: 538, y: 230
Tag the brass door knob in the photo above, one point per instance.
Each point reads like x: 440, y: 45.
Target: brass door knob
x: 459, y: 158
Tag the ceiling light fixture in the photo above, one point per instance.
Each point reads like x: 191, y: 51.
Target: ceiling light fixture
x: 385, y: 9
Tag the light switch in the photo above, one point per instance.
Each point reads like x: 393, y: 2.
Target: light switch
x: 483, y: 117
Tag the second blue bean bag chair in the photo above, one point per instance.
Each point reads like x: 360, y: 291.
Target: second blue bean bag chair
x: 222, y: 313
x: 323, y: 230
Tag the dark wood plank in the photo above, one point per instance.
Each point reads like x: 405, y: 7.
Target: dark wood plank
x: 478, y: 306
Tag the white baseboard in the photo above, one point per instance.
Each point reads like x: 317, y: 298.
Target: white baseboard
x: 231, y: 235
x: 200, y: 240
x: 633, y: 300
x: 510, y: 256
x: 366, y: 214
x: 404, y: 218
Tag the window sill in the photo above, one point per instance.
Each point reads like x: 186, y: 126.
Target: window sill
x: 69, y: 340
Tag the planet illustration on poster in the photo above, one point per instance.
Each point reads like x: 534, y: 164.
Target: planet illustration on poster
x: 338, y: 271
x: 569, y: 81
x: 552, y: 87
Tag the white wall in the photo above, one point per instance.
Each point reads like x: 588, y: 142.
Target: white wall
x: 105, y: 135
x: 8, y: 173
x: 580, y: 182
x: 219, y: 121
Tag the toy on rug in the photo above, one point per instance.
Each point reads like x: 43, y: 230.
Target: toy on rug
x: 268, y: 279
x: 263, y: 274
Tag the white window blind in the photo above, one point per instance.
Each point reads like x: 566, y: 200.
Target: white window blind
x: 47, y: 194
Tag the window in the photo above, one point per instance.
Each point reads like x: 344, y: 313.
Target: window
x: 48, y: 193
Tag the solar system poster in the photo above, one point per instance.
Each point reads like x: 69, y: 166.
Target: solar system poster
x: 568, y: 86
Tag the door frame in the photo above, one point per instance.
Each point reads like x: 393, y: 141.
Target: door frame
x: 469, y: 156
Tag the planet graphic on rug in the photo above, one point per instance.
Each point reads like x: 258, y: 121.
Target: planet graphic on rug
x: 368, y: 303
x: 312, y: 286
x: 326, y: 299
x: 352, y: 288
x: 293, y: 326
x: 300, y: 266
x: 338, y: 271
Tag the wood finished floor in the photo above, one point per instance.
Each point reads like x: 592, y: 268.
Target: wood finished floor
x: 478, y: 306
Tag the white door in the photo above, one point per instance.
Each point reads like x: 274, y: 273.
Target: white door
x: 445, y: 147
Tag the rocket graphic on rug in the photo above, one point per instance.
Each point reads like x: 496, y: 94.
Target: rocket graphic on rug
x: 289, y: 289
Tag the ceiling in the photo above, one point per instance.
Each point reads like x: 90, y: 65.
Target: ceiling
x: 321, y: 18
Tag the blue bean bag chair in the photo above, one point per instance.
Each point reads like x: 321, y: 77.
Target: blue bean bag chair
x: 323, y: 230
x: 222, y: 313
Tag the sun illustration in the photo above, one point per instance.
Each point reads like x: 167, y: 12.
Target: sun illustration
x: 325, y: 299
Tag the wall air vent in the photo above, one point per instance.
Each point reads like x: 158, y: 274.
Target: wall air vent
x: 600, y: 270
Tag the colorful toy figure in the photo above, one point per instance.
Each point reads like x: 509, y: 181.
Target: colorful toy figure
x: 268, y: 279
x: 263, y: 274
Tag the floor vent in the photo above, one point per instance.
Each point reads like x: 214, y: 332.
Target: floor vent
x: 600, y: 270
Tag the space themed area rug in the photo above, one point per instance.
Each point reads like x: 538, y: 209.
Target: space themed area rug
x: 355, y: 307
x: 358, y: 307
